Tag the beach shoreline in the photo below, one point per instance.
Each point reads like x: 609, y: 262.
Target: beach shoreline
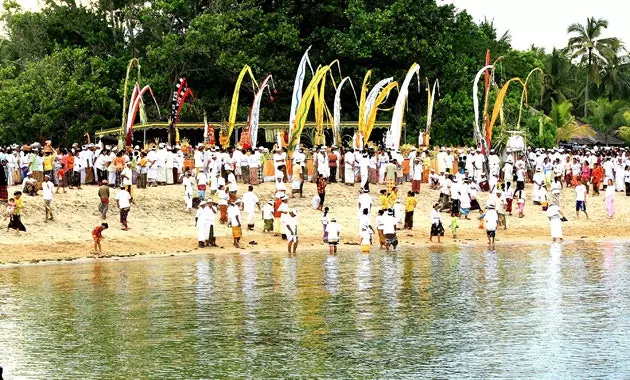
x: 160, y: 227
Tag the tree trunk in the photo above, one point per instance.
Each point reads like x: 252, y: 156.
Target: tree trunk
x: 588, y: 73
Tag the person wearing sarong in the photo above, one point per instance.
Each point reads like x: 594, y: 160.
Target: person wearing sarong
x: 253, y: 162
x: 223, y: 198
x: 4, y: 181
x: 416, y: 176
x: 626, y: 176
x: 245, y: 167
x: 349, y: 168
x: 390, y: 175
x: 15, y: 211
x: 610, y: 198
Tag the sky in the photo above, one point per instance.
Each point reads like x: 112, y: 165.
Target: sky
x: 544, y: 22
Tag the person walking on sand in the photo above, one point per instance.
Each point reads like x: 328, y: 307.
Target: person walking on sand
x: 437, y: 229
x: 321, y: 190
x: 491, y: 220
x: 610, y: 199
x: 234, y: 217
x: 123, y: 200
x: 202, y: 224
x: 333, y: 231
x: 188, y: 191
x: 97, y: 236
x: 580, y: 198
x: 103, y: 194
x: 48, y: 189
x: 250, y: 203
x: 291, y: 225
x: 267, y: 216
x: 410, y: 206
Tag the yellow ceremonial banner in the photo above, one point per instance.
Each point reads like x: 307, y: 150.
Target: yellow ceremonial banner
x: 361, y: 125
x: 305, y: 105
x: 234, y: 105
x: 498, y: 104
x: 371, y: 119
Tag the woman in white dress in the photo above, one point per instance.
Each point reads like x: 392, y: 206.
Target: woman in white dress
x: 555, y: 222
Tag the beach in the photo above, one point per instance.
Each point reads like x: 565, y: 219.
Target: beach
x: 160, y: 226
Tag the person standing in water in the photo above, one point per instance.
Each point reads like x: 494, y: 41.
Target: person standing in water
x: 491, y: 220
x: 291, y: 224
x: 333, y: 230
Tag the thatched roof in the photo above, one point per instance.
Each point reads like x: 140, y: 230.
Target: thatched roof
x: 598, y: 138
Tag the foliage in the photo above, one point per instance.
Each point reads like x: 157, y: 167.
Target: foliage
x: 62, y: 68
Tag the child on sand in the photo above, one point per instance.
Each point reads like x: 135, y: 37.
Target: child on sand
x: 97, y: 235
x: 580, y: 199
x: 454, y: 227
x: 409, y: 208
x: 520, y: 200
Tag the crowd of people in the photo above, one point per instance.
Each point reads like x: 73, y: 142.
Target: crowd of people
x: 213, y: 178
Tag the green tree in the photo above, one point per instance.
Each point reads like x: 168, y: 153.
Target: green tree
x: 587, y: 45
x: 607, y: 116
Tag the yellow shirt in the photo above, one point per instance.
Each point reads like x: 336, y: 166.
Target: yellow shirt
x: 48, y: 163
x: 19, y: 204
x: 392, y: 199
x: 411, y: 204
x: 384, y: 202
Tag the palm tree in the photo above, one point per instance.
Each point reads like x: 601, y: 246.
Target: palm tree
x: 566, y: 126
x: 616, y: 77
x: 559, y: 79
x: 590, y: 48
x: 607, y: 116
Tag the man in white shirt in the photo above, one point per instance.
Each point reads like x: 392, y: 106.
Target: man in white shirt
x: 123, y: 200
x: 491, y: 220
x: 441, y: 160
x: 580, y: 199
x: 152, y: 171
x: 198, y: 157
x: 48, y: 189
x: 494, y: 163
x: 126, y: 177
x: 161, y: 164
x: 170, y: 164
x: 333, y: 230
x: 188, y: 191
x: 279, y: 164
x: 250, y: 203
x: 291, y: 226
x: 234, y: 218
x: 389, y: 230
x: 365, y: 202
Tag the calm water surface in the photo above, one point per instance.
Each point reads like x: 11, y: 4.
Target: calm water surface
x: 540, y: 311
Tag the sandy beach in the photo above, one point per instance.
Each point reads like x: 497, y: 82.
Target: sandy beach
x: 159, y: 225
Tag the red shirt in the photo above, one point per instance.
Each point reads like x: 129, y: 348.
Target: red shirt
x: 97, y: 232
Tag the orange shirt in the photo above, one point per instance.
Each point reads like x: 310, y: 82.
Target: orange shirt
x: 597, y: 174
x: 119, y: 163
x: 70, y: 162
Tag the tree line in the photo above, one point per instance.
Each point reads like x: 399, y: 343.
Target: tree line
x: 62, y: 68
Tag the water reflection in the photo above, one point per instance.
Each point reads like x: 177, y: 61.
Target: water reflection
x: 560, y: 311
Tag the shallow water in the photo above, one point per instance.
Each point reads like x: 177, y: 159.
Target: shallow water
x: 539, y: 311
